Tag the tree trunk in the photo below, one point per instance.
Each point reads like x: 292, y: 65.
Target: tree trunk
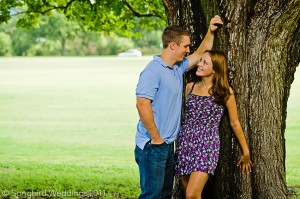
x: 63, y: 47
x: 262, y: 42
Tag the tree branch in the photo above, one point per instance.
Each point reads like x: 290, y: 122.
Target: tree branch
x: 137, y: 14
x: 64, y: 8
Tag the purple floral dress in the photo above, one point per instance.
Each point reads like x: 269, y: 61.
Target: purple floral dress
x: 198, y: 143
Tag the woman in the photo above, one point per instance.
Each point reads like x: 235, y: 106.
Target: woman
x: 198, y: 143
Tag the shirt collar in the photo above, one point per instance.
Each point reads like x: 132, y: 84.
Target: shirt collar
x: 163, y: 63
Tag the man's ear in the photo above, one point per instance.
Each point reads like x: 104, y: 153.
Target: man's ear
x: 173, y: 45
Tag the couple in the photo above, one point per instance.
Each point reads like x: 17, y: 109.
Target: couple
x: 159, y: 98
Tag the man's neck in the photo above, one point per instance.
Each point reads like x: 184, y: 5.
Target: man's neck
x: 167, y: 57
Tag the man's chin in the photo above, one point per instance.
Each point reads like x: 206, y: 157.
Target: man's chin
x: 181, y: 59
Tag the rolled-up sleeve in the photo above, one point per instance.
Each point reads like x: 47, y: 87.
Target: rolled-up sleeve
x: 148, y: 84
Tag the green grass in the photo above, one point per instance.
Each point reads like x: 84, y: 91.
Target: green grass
x: 67, y: 125
x: 292, y: 136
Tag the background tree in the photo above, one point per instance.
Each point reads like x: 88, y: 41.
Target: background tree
x: 21, y: 40
x: 68, y: 39
x: 72, y: 38
x: 37, y: 40
x: 5, y: 43
x: 261, y: 39
x: 59, y: 28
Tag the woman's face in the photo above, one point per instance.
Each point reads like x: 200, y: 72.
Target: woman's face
x: 204, y: 66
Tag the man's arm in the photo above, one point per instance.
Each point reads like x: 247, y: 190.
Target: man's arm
x: 207, y: 42
x: 146, y: 115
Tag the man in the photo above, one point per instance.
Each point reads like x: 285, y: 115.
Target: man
x: 159, y: 98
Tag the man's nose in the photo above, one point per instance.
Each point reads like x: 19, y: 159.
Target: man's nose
x: 188, y: 50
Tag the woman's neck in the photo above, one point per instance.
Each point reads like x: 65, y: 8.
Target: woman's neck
x: 206, y: 83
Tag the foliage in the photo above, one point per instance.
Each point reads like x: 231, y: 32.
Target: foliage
x: 114, y: 45
x: 149, y: 38
x: 22, y: 40
x: 106, y: 16
x: 5, y: 43
x: 55, y: 36
x: 40, y: 48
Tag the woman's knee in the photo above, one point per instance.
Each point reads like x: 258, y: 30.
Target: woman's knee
x: 192, y: 195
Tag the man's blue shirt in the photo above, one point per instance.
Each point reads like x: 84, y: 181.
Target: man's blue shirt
x: 163, y: 86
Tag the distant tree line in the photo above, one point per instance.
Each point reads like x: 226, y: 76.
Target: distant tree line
x: 54, y: 36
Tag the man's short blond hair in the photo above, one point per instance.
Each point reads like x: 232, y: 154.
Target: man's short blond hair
x: 173, y: 34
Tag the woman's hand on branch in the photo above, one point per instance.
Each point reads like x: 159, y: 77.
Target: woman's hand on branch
x: 215, y: 23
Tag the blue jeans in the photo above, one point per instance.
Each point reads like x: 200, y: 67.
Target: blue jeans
x: 157, y: 167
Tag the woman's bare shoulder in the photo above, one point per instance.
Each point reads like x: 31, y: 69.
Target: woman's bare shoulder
x: 189, y: 86
x: 231, y: 90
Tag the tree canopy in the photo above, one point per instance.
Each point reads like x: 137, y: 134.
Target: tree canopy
x: 106, y: 16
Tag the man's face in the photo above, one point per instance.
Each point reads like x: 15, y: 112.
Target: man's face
x: 183, y: 49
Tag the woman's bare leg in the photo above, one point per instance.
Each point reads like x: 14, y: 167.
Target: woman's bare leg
x: 184, y: 182
x: 196, y: 183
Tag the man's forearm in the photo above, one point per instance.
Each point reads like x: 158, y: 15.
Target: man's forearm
x: 147, y: 118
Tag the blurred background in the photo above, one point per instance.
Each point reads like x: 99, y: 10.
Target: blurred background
x: 54, y: 36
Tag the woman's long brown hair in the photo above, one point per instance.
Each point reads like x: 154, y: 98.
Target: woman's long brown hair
x: 220, y: 89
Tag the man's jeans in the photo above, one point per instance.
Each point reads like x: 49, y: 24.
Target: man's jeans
x: 157, y: 166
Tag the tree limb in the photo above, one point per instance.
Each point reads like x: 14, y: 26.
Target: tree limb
x: 137, y: 14
x: 51, y: 7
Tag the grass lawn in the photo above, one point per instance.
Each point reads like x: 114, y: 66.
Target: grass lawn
x: 292, y: 136
x: 69, y: 124
x: 67, y: 127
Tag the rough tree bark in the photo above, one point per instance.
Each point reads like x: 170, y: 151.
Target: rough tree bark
x: 262, y: 42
